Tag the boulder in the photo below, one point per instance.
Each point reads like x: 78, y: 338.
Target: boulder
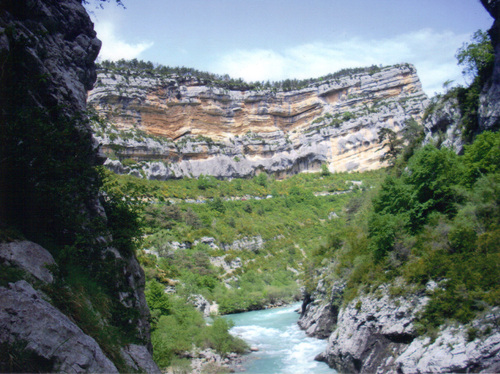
x: 201, y: 304
x: 139, y: 359
x: 30, y: 257
x: 26, y: 318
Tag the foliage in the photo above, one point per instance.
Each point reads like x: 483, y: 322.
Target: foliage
x: 286, y: 214
x: 433, y: 218
x: 290, y: 223
x: 10, y: 274
x: 413, y: 135
x: 94, y: 308
x: 49, y: 191
x: 178, y: 326
x: 48, y: 180
x: 122, y: 212
x: 476, y: 56
x: 324, y: 170
x: 390, y: 140
x: 182, y: 74
x: 482, y: 157
x: 16, y: 358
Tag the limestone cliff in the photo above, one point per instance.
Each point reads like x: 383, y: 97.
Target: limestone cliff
x: 49, y: 194
x: 378, y: 335
x: 444, y: 121
x: 489, y: 113
x: 175, y: 126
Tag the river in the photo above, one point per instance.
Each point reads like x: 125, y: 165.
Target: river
x: 283, y: 347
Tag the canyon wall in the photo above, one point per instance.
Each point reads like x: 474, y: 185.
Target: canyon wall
x: 378, y: 334
x: 378, y: 331
x: 49, y: 194
x: 167, y: 126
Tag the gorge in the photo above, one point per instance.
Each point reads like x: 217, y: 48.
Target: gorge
x: 355, y: 193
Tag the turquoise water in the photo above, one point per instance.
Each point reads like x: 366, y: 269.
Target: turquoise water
x: 283, y: 347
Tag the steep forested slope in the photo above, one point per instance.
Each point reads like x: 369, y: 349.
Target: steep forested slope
x: 409, y: 279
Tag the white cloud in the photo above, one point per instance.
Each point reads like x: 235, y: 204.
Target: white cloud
x: 113, y: 48
x: 432, y: 53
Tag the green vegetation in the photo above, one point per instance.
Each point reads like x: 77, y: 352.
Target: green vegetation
x: 283, y: 220
x: 134, y: 67
x: 177, y: 326
x: 435, y: 217
x: 476, y: 57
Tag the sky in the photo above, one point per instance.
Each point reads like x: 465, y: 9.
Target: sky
x: 260, y: 40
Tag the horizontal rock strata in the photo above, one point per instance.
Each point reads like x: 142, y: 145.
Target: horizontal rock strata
x: 173, y: 128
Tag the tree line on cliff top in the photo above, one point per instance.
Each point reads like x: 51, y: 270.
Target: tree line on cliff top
x: 132, y: 67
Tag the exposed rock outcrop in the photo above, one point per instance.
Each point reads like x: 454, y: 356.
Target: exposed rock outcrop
x: 489, y: 112
x: 376, y: 333
x: 455, y: 350
x: 139, y: 359
x: 371, y: 332
x: 26, y: 318
x: 443, y: 124
x: 201, y: 304
x: 47, y: 53
x: 254, y: 244
x: 174, y: 128
x: 49, y: 189
x: 319, y: 315
x: 30, y: 257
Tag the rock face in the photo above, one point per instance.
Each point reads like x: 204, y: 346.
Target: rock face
x: 47, y: 53
x: 201, y: 304
x: 26, y: 318
x: 454, y: 351
x: 174, y: 128
x: 443, y: 125
x: 489, y: 112
x: 319, y: 315
x: 139, y: 359
x: 371, y: 332
x: 30, y: 257
x: 377, y: 334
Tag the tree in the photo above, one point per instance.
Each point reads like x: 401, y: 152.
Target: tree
x: 390, y: 139
x: 413, y: 134
x: 482, y: 157
x: 261, y: 179
x: 476, y: 56
x: 156, y: 298
x: 324, y: 170
x: 99, y: 3
x: 434, y: 175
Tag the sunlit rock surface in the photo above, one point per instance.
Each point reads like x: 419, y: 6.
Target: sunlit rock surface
x: 173, y: 128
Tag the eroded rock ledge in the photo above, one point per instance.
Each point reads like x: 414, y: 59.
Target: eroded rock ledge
x: 376, y: 333
x: 173, y: 128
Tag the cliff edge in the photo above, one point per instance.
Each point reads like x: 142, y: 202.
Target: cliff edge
x: 78, y: 306
x: 169, y: 126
